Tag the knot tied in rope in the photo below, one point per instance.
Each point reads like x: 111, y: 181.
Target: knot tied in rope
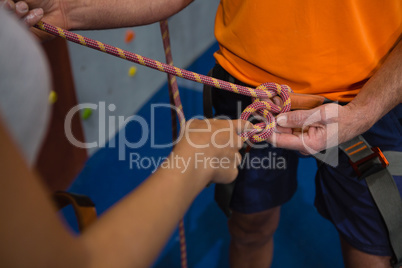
x: 263, y: 111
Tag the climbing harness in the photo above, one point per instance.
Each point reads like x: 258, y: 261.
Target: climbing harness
x: 377, y: 169
x: 84, y: 208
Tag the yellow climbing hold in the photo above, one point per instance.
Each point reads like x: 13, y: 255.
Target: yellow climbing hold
x: 52, y: 97
x: 132, y: 71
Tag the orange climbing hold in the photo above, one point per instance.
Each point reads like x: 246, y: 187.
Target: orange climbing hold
x: 130, y: 35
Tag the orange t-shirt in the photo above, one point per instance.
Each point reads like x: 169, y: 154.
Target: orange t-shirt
x: 320, y: 47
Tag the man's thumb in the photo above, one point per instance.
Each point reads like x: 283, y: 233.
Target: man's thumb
x: 298, y: 119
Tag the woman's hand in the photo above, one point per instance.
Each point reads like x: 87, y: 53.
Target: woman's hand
x: 213, y: 147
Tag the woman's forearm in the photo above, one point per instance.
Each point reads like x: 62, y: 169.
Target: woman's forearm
x: 136, y: 229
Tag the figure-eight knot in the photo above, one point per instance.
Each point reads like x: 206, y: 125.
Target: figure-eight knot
x: 263, y: 111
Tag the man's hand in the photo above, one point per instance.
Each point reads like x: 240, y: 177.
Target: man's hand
x: 33, y: 11
x: 22, y: 11
x: 331, y: 124
x: 54, y: 13
x: 311, y: 131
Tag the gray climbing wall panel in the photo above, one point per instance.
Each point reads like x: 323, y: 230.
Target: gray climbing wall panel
x: 103, y: 78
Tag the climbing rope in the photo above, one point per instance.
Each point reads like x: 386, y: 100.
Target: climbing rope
x: 173, y: 88
x: 174, y: 98
x: 264, y: 91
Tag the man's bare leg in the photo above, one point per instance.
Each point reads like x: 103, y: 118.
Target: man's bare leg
x: 354, y: 258
x: 252, y: 238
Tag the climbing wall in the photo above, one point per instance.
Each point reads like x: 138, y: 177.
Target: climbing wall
x: 103, y: 78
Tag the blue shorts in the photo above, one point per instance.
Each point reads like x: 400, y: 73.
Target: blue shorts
x: 259, y: 186
x: 340, y: 196
x: 347, y: 202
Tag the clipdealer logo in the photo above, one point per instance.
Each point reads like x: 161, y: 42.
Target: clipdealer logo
x: 271, y: 161
x: 107, y: 128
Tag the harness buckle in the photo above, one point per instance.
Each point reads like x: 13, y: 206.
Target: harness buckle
x: 370, y: 164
